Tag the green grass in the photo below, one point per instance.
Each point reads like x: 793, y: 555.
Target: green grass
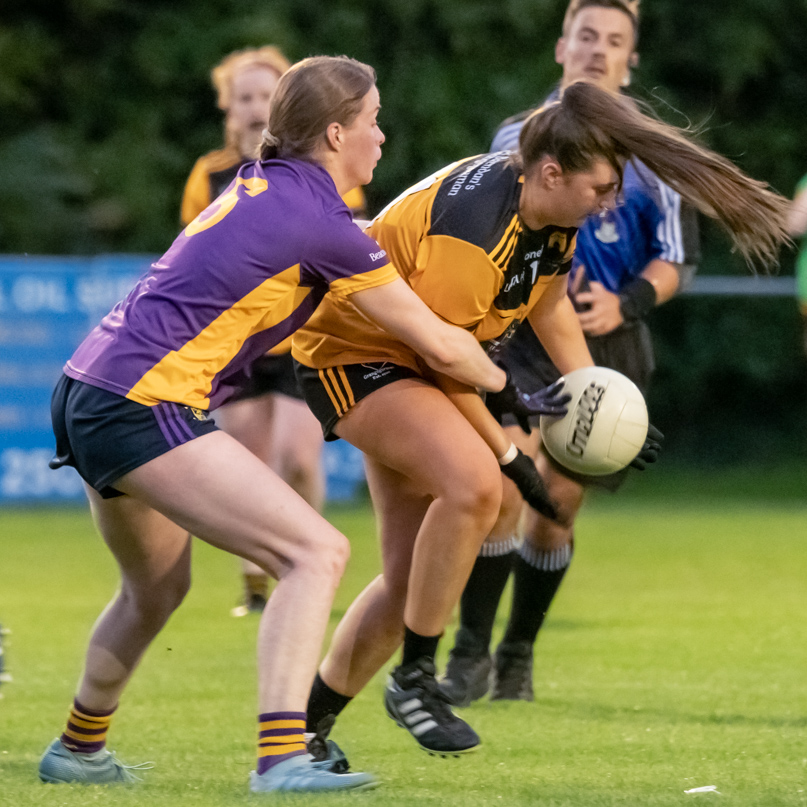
x: 674, y: 657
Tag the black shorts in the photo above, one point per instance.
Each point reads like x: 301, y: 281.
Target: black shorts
x: 104, y: 436
x: 332, y: 393
x: 270, y: 373
x: 628, y: 350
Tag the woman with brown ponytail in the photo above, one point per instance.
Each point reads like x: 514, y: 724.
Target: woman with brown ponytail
x: 486, y: 243
x: 627, y: 263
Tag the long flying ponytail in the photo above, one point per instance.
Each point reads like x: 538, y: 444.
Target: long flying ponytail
x: 592, y: 122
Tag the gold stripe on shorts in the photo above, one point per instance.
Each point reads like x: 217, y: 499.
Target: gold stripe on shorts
x: 346, y: 385
x: 342, y: 399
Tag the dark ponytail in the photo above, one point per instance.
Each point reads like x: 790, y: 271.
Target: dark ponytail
x: 590, y: 123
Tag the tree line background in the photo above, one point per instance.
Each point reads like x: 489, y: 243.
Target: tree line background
x: 106, y: 104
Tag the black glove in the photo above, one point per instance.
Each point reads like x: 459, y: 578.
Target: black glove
x: 650, y: 449
x: 523, y: 472
x: 551, y: 400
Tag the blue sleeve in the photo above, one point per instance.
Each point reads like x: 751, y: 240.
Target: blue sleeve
x: 506, y: 138
x: 663, y: 204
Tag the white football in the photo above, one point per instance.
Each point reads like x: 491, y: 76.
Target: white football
x: 605, y: 427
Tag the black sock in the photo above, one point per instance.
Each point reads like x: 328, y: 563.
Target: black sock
x: 537, y: 577
x: 480, y: 599
x: 416, y: 647
x: 323, y: 701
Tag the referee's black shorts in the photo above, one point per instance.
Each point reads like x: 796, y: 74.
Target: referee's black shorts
x: 628, y: 350
x: 333, y: 392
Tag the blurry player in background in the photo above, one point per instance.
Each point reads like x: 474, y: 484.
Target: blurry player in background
x: 5, y: 676
x: 797, y: 225
x: 628, y: 260
x: 269, y: 417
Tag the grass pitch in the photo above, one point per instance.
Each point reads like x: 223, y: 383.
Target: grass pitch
x: 674, y: 658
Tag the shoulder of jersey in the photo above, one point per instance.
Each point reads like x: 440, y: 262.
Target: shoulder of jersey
x: 476, y: 200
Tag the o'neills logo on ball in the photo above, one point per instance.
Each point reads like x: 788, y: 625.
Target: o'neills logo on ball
x: 587, y: 408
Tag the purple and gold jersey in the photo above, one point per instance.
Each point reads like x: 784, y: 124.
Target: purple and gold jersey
x: 240, y: 278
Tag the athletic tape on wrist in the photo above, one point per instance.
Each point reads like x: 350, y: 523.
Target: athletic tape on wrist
x: 509, y: 455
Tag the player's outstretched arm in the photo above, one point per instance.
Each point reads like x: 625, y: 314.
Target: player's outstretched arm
x: 445, y: 348
x: 555, y: 323
x: 797, y: 215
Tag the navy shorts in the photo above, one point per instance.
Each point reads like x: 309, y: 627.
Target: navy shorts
x: 628, y: 350
x: 270, y: 373
x: 104, y: 436
x: 333, y: 392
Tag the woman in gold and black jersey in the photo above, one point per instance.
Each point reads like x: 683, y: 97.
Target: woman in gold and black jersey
x: 486, y: 243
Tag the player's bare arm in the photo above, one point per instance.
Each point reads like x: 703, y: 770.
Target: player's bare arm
x: 555, y: 323
x: 445, y: 348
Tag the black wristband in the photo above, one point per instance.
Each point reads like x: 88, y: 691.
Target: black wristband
x: 637, y: 299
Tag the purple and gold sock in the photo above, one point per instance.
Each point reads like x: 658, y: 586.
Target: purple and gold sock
x: 280, y: 736
x: 86, y: 729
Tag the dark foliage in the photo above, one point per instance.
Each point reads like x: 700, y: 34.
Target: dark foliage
x: 105, y: 104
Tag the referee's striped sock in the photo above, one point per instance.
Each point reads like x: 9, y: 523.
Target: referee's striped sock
x: 86, y: 729
x: 280, y: 736
x: 537, y: 577
x: 482, y: 593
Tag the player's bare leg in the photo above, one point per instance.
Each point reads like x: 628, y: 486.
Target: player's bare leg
x: 153, y: 555
x: 468, y: 671
x: 412, y: 430
x: 521, y: 539
x: 297, y: 443
x: 216, y: 489
x: 372, y: 629
x: 222, y: 493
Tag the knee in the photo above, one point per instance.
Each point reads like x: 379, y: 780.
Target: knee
x: 304, y: 462
x: 545, y: 534
x: 512, y: 505
x: 478, y: 491
x: 155, y: 603
x: 569, y: 498
x: 326, y: 557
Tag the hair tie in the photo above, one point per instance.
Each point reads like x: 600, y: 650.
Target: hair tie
x: 269, y: 139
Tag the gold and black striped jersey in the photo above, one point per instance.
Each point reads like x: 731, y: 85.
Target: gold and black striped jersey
x: 457, y: 240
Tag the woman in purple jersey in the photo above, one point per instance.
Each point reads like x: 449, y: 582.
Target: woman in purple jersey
x: 131, y: 414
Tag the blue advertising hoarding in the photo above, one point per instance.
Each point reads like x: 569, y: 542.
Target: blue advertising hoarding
x: 47, y: 306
